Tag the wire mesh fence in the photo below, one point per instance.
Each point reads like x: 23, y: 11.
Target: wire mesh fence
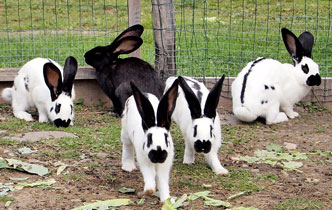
x: 212, y: 37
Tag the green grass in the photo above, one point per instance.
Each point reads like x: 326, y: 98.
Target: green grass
x: 298, y: 204
x: 212, y: 37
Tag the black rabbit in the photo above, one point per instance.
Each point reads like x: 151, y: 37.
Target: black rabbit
x: 114, y: 74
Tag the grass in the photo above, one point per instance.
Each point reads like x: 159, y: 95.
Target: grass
x: 298, y: 204
x: 212, y: 37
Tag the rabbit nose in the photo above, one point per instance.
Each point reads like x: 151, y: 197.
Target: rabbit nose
x: 158, y: 156
x: 314, y: 80
x: 62, y: 123
x: 202, y: 146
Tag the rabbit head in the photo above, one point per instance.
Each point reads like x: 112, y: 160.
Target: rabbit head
x: 127, y: 42
x: 202, y: 124
x: 158, y: 140
x: 61, y: 110
x: 306, y: 70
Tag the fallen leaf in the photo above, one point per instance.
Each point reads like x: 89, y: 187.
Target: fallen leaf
x: 292, y: 165
x: 126, y: 190
x: 243, y: 193
x: 179, y: 202
x: 60, y: 169
x: 216, y: 203
x: 194, y: 196
x: 274, y: 148
x: 207, y: 186
x: 141, y: 201
x: 7, y: 204
x: 26, y: 150
x: 27, y: 167
x: 167, y: 205
x: 48, y: 182
x: 105, y: 204
x: 19, y: 178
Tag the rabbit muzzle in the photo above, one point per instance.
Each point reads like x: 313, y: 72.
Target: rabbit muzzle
x: 314, y: 80
x: 202, y: 146
x: 158, y: 156
x: 62, y: 123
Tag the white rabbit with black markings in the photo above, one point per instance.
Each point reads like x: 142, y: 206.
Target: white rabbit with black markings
x: 145, y: 131
x: 195, y: 113
x: 266, y: 86
x: 42, y: 83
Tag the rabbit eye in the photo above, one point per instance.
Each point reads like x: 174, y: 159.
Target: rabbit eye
x: 57, y: 108
x: 211, y: 130
x: 149, y: 140
x: 195, y: 131
x: 305, y: 68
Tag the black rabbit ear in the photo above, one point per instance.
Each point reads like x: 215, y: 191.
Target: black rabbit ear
x: 69, y: 72
x: 167, y: 105
x: 144, y: 108
x: 193, y: 103
x: 307, y: 41
x: 125, y: 45
x: 53, y: 80
x: 293, y: 45
x: 213, y: 99
x: 135, y: 30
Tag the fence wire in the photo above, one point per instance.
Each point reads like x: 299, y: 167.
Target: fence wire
x: 212, y: 37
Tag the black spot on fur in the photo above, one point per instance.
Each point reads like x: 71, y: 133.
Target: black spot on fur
x: 272, y: 87
x: 211, y: 129
x: 202, y: 146
x: 166, y: 139
x: 143, y: 145
x: 62, y: 123
x: 71, y: 109
x: 51, y: 109
x: 199, y: 96
x: 262, y: 102
x: 195, y: 130
x: 245, y: 78
x: 57, y: 108
x: 266, y: 87
x: 149, y: 140
x: 314, y: 80
x: 305, y: 68
x: 266, y: 101
x: 157, y: 156
x: 26, y: 83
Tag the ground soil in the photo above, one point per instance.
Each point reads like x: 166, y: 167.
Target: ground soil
x: 310, y: 132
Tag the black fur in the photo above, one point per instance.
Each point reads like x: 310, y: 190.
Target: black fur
x: 213, y: 99
x: 245, y: 78
x: 157, y: 156
x: 202, y: 146
x: 314, y: 80
x: 166, y: 139
x: 149, y: 140
x: 69, y: 72
x: 195, y: 131
x: 26, y: 83
x: 305, y: 68
x: 114, y: 74
x: 266, y: 87
x: 57, y: 108
x: 62, y: 123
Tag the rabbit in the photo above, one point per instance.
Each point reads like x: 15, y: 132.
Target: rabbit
x: 266, y: 86
x: 42, y: 83
x: 114, y: 74
x: 201, y: 130
x: 145, y: 131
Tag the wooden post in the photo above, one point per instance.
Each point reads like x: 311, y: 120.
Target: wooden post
x: 164, y: 36
x: 134, y: 17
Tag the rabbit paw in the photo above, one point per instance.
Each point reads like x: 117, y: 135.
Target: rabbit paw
x: 281, y: 117
x: 292, y: 115
x: 24, y: 116
x: 128, y: 167
x: 221, y: 171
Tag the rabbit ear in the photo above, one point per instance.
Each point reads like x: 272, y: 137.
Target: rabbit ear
x: 307, y: 41
x: 53, y: 79
x: 125, y: 45
x: 213, y: 99
x: 69, y: 72
x: 135, y: 30
x: 166, y: 106
x: 293, y: 45
x: 144, y: 108
x: 193, y: 103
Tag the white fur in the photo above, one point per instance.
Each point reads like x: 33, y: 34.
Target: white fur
x: 182, y: 117
x: 133, y: 138
x: 38, y: 94
x: 289, y: 84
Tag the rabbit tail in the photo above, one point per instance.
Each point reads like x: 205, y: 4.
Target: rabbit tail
x: 7, y: 94
x: 243, y: 114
